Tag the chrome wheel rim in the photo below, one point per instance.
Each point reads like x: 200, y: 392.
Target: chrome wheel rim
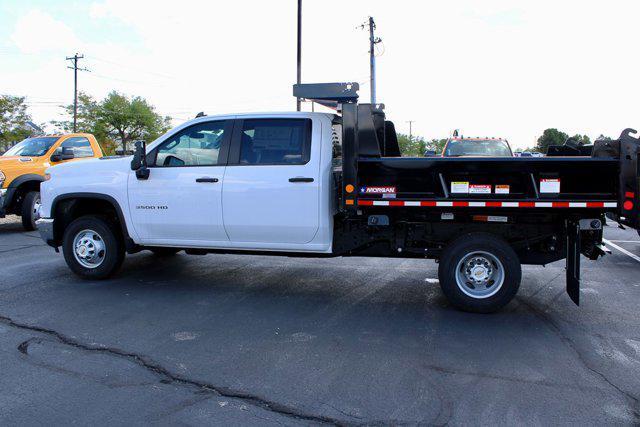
x: 479, y: 274
x: 35, y: 210
x: 89, y: 249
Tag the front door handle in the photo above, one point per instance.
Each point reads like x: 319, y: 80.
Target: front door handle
x: 300, y: 179
x: 206, y: 179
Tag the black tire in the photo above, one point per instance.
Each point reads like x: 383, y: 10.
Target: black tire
x: 468, y: 250
x: 28, y: 212
x: 165, y: 252
x: 109, y: 236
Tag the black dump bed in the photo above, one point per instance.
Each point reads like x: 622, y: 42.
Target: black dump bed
x: 375, y: 175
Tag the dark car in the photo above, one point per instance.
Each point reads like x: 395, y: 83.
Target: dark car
x: 477, y: 147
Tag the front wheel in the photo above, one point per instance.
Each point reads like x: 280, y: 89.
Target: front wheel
x: 92, y: 248
x: 479, y: 273
x: 30, y: 210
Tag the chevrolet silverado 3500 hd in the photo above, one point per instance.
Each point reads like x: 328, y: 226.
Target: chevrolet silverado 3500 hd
x: 315, y: 184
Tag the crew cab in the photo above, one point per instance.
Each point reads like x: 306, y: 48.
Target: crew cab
x: 319, y: 184
x: 22, y: 169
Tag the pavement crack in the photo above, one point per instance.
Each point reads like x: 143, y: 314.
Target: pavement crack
x: 24, y: 346
x: 19, y: 248
x: 156, y: 368
x: 542, y: 315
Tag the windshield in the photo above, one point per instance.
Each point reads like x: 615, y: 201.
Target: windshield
x: 487, y: 147
x: 32, y: 147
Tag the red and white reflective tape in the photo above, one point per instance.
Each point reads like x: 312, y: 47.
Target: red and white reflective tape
x: 487, y: 204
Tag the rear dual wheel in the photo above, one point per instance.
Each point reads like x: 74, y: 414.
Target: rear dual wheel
x: 479, y: 273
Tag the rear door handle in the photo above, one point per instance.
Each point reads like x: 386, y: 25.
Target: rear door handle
x: 205, y: 179
x: 300, y: 179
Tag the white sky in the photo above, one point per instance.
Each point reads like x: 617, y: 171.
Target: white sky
x: 490, y: 67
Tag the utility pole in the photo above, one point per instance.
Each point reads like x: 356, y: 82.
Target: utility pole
x: 373, y: 41
x: 299, y: 69
x: 75, y: 69
x: 410, y: 133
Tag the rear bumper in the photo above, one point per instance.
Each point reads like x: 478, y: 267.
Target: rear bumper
x: 45, y: 227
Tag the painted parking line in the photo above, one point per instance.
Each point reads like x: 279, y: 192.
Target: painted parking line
x: 623, y: 250
x: 625, y: 241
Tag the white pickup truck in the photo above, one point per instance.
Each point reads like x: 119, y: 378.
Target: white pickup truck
x: 318, y: 184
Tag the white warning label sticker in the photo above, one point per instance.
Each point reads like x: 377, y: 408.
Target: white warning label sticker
x: 460, y: 187
x: 479, y: 189
x: 502, y: 189
x: 550, y: 185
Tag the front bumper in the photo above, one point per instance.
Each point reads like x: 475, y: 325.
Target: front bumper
x: 45, y: 227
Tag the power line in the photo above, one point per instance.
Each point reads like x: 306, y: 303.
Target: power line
x: 106, y: 61
x: 75, y: 69
x: 102, y: 76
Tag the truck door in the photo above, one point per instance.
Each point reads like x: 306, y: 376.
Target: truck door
x: 271, y: 185
x: 181, y: 201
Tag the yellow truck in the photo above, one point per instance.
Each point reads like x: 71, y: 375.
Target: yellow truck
x: 22, y: 170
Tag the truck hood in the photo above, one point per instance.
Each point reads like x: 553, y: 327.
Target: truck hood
x: 91, y: 166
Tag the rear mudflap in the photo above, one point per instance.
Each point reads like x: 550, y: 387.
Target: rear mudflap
x: 573, y: 261
x: 629, y: 209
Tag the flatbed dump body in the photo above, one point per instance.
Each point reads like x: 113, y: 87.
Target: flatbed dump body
x: 516, y: 179
x: 544, y: 209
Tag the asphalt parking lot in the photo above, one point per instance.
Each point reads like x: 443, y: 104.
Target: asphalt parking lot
x: 256, y: 340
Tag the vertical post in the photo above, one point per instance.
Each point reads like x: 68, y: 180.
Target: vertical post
x: 372, y: 60
x: 299, y: 59
x: 75, y: 92
x: 410, y: 129
x: 75, y: 69
x: 349, y: 155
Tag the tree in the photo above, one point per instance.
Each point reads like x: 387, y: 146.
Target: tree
x: 413, y: 147
x: 13, y: 121
x: 437, y: 145
x: 417, y: 145
x: 581, y: 139
x: 128, y: 120
x: 550, y: 137
x: 117, y: 118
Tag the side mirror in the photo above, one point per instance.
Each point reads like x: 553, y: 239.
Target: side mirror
x: 64, y: 153
x: 139, y: 161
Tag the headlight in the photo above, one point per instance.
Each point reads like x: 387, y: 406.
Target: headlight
x: 2, y: 177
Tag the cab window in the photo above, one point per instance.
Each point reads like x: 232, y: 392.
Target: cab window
x: 197, y: 145
x: 32, y: 147
x: 80, y: 146
x: 275, y: 142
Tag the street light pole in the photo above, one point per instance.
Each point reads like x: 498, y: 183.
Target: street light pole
x: 299, y: 65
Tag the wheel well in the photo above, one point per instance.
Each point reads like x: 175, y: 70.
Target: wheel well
x: 67, y: 210
x: 19, y: 194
